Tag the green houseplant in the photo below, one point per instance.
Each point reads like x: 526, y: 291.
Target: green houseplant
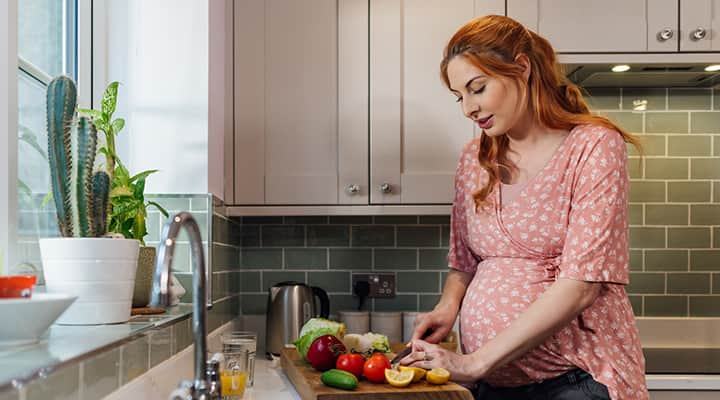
x: 99, y: 271
x: 128, y: 208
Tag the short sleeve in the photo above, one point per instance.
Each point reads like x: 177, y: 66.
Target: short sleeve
x: 596, y: 248
x: 460, y: 256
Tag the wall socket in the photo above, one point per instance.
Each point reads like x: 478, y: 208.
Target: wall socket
x: 381, y: 285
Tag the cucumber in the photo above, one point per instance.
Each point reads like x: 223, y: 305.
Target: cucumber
x: 339, y: 379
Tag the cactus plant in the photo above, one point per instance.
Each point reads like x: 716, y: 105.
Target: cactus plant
x: 81, y: 198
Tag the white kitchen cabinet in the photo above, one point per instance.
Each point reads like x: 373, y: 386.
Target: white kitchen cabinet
x: 300, y: 101
x: 699, y: 25
x: 417, y: 130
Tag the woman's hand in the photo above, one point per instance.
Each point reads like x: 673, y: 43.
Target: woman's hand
x: 438, y: 322
x: 462, y: 367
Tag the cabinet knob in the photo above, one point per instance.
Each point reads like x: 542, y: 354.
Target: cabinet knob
x: 386, y: 188
x: 698, y: 34
x: 665, y: 34
x: 352, y: 189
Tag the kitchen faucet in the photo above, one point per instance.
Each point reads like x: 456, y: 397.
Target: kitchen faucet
x: 206, y: 384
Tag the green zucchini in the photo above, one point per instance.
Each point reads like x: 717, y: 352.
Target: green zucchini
x: 339, y: 379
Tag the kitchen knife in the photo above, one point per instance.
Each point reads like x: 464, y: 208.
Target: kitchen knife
x: 394, y: 362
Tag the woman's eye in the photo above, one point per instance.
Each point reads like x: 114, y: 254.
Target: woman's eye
x: 478, y: 91
x: 459, y: 99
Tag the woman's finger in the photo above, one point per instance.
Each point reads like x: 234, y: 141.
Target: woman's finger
x: 420, y: 328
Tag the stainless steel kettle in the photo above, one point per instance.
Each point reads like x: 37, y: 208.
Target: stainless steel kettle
x: 289, y: 306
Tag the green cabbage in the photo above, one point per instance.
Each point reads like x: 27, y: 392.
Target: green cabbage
x: 315, y: 328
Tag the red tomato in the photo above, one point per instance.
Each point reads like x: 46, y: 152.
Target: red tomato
x: 352, y: 363
x: 324, y: 351
x: 375, y: 366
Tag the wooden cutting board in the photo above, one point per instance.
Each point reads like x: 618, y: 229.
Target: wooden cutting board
x: 307, y: 383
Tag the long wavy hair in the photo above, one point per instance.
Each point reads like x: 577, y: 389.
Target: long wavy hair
x: 492, y: 44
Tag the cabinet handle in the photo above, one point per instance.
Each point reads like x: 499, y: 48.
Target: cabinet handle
x: 352, y: 189
x: 386, y: 188
x: 665, y: 34
x: 698, y: 34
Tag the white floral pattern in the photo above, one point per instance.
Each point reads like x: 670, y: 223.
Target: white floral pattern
x: 569, y: 222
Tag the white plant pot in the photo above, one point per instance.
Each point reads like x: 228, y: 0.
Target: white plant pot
x: 99, y: 271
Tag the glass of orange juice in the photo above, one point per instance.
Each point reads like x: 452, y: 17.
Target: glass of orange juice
x: 233, y: 374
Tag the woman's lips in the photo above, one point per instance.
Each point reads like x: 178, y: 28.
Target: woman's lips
x: 486, y: 123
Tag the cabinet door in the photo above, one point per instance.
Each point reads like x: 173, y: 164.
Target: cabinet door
x: 417, y: 130
x: 699, y: 25
x: 586, y: 26
x: 290, y: 71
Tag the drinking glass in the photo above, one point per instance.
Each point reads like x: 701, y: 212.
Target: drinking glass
x: 238, y: 342
x: 233, y: 373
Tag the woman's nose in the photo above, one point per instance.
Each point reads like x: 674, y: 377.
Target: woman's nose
x: 470, y: 108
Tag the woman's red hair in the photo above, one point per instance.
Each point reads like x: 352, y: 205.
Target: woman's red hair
x: 492, y: 44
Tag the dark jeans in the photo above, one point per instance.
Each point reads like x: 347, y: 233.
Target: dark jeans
x: 574, y: 385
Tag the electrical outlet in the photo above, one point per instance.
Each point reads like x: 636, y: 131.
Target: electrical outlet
x: 381, y: 285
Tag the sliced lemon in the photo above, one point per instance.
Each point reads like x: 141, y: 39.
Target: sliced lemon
x: 437, y: 376
x: 398, y: 378
x: 418, y: 373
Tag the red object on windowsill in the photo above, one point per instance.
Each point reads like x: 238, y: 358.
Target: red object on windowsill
x: 17, y: 286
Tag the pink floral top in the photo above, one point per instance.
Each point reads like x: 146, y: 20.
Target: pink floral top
x: 570, y: 221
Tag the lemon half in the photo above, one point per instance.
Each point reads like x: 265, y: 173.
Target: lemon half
x: 437, y: 376
x: 418, y: 373
x: 398, y: 378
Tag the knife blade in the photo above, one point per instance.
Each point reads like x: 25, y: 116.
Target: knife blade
x: 394, y: 362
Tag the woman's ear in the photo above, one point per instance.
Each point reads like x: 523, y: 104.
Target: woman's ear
x: 524, y: 62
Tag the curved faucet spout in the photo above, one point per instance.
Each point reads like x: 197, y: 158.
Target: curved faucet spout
x: 161, y: 284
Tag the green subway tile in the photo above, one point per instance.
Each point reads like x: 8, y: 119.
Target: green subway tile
x: 225, y: 258
x: 705, y: 168
x: 250, y: 235
x: 234, y: 282
x: 705, y: 306
x: 220, y: 230
x: 445, y: 236
x: 171, y: 204
x: 202, y: 220
x: 666, y: 214
x: 401, y: 302
x: 186, y: 282
x: 705, y: 122
x: 716, y: 192
x: 716, y: 283
x: 351, y: 219
x: 396, y: 219
x: 636, y: 303
x: 716, y: 238
x: 705, y: 260
x: 282, y: 235
x: 636, y: 260
x: 420, y: 282
x: 651, y: 98
x: 305, y: 258
x: 250, y: 281
x: 261, y: 258
x: 705, y: 214
x: 183, y: 337
x: 328, y: 235
x: 635, y: 214
x: 666, y: 306
x: 683, y: 192
x: 435, y: 219
x: 666, y: 168
x: 603, y: 98
x: 253, y: 304
x: 199, y: 203
x: 153, y: 224
x: 433, y: 258
x: 630, y: 121
x: 666, y: 260
x: 641, y: 238
x: 716, y: 99
x: 395, y: 259
x: 635, y: 168
x: 690, y: 238
x: 346, y: 302
x: 100, y: 374
x: 645, y: 282
x: 262, y: 220
x: 160, y: 345
x: 331, y: 281
x: 716, y: 145
x: 418, y: 236
x: 270, y: 278
x: 373, y: 236
x: 219, y: 286
x: 689, y: 145
x: 647, y: 192
x: 689, y: 99
x: 652, y: 145
x: 305, y: 220
x: 427, y: 302
x: 61, y: 385
x: 666, y: 122
x: 181, y: 257
x: 688, y: 283
x: 351, y: 258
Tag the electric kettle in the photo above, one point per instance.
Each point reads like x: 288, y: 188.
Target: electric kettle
x: 289, y: 306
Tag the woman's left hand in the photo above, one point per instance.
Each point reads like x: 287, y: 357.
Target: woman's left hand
x: 428, y: 356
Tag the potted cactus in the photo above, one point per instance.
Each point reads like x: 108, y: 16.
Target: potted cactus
x: 100, y: 271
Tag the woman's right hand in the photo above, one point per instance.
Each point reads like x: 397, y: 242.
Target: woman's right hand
x: 438, y: 323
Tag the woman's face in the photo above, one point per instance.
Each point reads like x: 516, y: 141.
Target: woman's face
x: 493, y: 103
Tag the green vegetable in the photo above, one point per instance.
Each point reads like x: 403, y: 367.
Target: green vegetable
x: 367, y: 343
x: 303, y: 344
x: 315, y: 328
x: 339, y: 379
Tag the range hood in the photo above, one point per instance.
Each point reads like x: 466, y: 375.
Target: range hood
x: 646, y: 70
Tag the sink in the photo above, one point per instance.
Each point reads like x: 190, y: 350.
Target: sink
x: 682, y: 360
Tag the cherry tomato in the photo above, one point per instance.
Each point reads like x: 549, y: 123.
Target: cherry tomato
x: 324, y: 352
x: 352, y: 363
x: 375, y: 366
